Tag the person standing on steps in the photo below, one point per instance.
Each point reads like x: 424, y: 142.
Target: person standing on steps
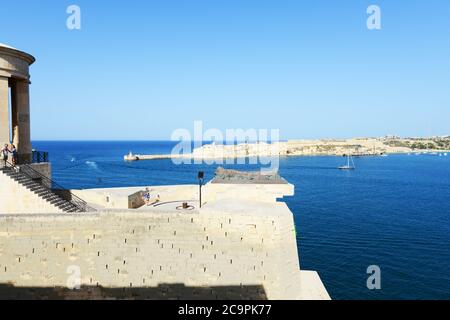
x: 146, y: 196
x: 4, y: 153
x: 14, y: 154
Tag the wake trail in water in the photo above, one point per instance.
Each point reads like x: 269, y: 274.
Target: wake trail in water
x: 92, y: 164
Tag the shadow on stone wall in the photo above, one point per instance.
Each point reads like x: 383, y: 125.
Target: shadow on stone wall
x: 162, y: 292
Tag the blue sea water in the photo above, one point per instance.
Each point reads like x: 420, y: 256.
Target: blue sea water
x: 393, y: 212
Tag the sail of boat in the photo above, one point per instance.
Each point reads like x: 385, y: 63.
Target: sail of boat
x: 348, y: 166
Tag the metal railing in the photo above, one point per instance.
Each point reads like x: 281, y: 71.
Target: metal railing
x: 39, y: 156
x: 52, y: 186
x: 33, y: 157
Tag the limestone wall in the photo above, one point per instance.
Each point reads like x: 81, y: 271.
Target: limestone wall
x: 256, y: 192
x: 44, y: 169
x: 118, y: 198
x: 16, y: 199
x: 214, y: 253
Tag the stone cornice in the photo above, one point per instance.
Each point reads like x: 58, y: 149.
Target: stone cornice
x: 18, y: 54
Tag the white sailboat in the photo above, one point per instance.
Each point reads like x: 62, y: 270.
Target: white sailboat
x: 348, y: 166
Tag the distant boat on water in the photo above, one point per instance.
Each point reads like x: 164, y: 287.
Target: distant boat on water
x: 348, y: 166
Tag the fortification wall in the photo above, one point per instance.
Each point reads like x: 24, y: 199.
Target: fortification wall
x: 266, y: 193
x: 118, y: 198
x: 217, y: 253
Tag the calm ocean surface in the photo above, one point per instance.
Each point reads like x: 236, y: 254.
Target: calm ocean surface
x: 393, y: 211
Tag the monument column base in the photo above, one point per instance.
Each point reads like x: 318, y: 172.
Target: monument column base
x: 24, y: 158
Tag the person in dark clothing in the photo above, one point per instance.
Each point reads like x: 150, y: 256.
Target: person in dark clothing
x: 146, y: 196
x: 14, y: 154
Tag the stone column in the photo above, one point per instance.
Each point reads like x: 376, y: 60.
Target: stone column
x: 14, y: 116
x: 21, y: 119
x: 4, y: 111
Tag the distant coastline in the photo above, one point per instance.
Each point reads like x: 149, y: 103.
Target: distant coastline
x: 323, y: 147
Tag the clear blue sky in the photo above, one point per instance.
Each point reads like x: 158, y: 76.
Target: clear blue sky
x: 140, y: 69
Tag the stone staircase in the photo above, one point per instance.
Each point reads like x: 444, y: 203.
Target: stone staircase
x: 41, y: 190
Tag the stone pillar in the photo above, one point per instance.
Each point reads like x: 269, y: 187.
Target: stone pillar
x: 21, y: 119
x: 4, y: 111
x: 14, y: 116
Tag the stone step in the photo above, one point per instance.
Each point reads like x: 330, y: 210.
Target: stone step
x: 22, y: 181
x: 66, y: 206
x: 13, y: 174
x: 27, y: 183
x: 41, y: 191
x: 57, y: 201
x: 35, y: 187
x: 49, y: 196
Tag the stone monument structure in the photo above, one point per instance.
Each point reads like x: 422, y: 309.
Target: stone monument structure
x: 15, y: 100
